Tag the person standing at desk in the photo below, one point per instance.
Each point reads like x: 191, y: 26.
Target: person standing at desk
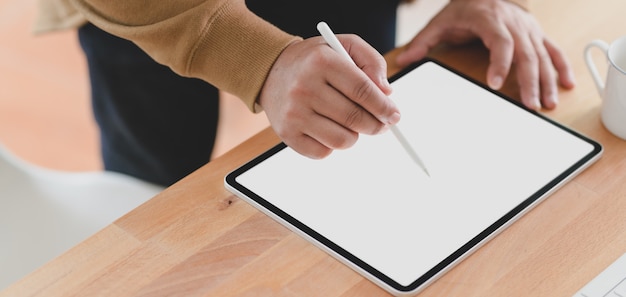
x: 156, y: 68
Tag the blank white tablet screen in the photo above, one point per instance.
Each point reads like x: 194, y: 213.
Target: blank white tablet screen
x: 484, y: 154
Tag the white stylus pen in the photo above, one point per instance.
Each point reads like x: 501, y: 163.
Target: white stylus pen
x: 334, y: 43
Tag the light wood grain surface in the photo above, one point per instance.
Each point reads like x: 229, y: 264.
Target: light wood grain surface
x: 197, y: 239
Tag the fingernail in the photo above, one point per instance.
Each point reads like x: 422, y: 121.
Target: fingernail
x: 554, y: 98
x: 394, y: 119
x: 496, y: 82
x: 571, y: 77
x: 535, y: 103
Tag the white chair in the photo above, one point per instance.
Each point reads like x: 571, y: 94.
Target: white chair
x: 45, y: 212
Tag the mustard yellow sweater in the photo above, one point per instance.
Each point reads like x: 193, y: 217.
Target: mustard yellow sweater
x: 219, y: 41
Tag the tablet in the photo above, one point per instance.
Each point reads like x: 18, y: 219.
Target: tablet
x: 373, y: 208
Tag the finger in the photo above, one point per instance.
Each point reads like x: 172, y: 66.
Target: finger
x: 317, y: 137
x: 561, y: 64
x: 333, y: 105
x: 308, y: 147
x: 547, y: 79
x: 295, y: 135
x: 330, y: 134
x: 501, y: 45
x: 527, y: 71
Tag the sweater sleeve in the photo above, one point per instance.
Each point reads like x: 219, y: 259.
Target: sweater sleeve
x: 219, y: 41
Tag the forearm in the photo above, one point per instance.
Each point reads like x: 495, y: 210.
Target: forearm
x: 219, y: 41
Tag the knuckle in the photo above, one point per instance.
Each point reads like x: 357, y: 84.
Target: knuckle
x: 525, y: 56
x: 504, y: 40
x: 345, y: 142
x: 341, y: 140
x: 308, y: 147
x: 297, y: 94
x: 320, y: 153
x: 354, y: 118
x: 363, y: 91
x: 318, y: 59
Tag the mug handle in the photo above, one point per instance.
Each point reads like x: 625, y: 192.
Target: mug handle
x: 592, y: 67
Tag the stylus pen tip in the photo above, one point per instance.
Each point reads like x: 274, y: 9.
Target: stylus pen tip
x: 421, y: 165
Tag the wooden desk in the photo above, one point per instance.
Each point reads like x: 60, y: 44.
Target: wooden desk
x: 196, y: 239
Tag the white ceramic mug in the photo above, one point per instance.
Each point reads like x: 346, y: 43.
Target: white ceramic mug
x: 613, y: 89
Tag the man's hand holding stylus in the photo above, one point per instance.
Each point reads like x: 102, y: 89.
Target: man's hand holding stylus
x: 316, y: 101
